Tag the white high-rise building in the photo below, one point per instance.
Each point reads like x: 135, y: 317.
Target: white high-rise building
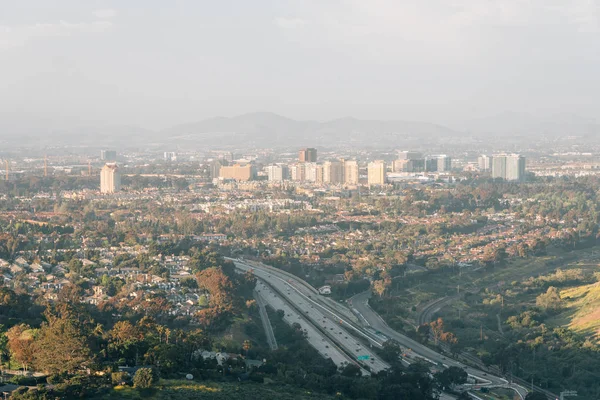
x: 444, y: 163
x: 277, y: 173
x: 376, y: 173
x: 170, y: 156
x: 310, y: 171
x: 484, y: 162
x: 110, y: 178
x: 510, y: 167
x: 351, y: 172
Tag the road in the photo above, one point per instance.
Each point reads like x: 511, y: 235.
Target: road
x: 427, y: 313
x: 264, y: 317
x: 316, y: 339
x: 328, y: 322
x: 418, y: 350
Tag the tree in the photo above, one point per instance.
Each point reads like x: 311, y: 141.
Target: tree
x: 61, y: 346
x: 144, y: 378
x: 391, y: 351
x: 20, y: 342
x: 550, y: 300
x: 437, y: 329
x: 451, y: 376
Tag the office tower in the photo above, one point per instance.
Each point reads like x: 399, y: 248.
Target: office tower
x: 333, y: 172
x: 376, y: 173
x: 351, y: 172
x: 409, y: 155
x: 298, y: 172
x: 484, y: 162
x: 320, y: 174
x: 444, y: 163
x: 499, y: 166
x: 277, y: 173
x: 108, y: 155
x: 110, y: 178
x: 510, y: 167
x: 400, y: 165
x: 170, y: 156
x: 515, y: 167
x: 310, y: 172
x: 237, y: 172
x: 431, y: 164
x: 215, y: 168
x: 307, y: 155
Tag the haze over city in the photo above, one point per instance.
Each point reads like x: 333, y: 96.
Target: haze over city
x: 300, y: 200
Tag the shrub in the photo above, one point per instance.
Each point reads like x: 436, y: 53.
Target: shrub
x: 144, y: 378
x: 118, y: 377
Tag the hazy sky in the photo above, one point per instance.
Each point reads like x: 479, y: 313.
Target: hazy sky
x: 155, y: 63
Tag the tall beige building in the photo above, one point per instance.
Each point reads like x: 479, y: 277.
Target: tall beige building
x: 110, y: 178
x: 333, y: 172
x: 376, y: 172
x: 238, y: 172
x: 351, y: 172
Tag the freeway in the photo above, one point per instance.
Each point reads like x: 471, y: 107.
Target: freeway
x: 374, y: 320
x: 330, y: 323
x: 319, y: 309
x: 316, y: 339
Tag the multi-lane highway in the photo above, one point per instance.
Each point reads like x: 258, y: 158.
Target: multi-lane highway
x: 415, y: 349
x: 326, y: 322
x: 369, y: 327
x: 319, y: 341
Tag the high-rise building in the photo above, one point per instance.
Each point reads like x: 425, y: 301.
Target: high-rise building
x: 510, y: 167
x: 215, y: 167
x: 431, y: 164
x: 409, y: 155
x: 320, y: 174
x: 108, y: 155
x: 298, y: 172
x: 484, y: 162
x: 444, y: 163
x: 515, y: 167
x: 307, y: 155
x: 277, y: 173
x: 170, y: 156
x: 310, y: 172
x: 110, y: 178
x: 351, y: 172
x: 376, y: 173
x: 237, y: 172
x: 438, y: 163
x: 333, y: 172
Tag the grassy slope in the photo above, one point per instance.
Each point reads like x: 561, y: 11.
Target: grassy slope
x: 583, y: 310
x: 177, y: 389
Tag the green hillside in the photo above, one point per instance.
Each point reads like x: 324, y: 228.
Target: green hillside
x: 583, y: 309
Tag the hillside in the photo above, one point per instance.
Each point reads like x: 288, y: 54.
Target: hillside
x: 583, y: 310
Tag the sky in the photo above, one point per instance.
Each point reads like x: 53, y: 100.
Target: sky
x: 157, y: 63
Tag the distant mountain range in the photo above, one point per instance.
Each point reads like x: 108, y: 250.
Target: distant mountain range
x: 264, y: 129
